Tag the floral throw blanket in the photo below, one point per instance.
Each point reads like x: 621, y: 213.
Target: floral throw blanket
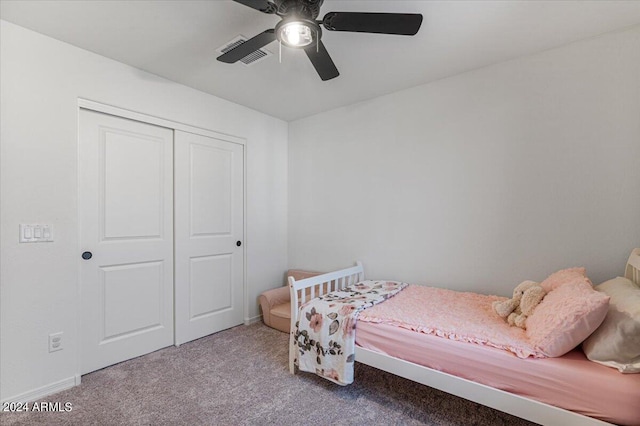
x: 325, y: 331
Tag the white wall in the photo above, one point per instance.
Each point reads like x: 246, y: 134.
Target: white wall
x: 478, y: 181
x: 41, y: 81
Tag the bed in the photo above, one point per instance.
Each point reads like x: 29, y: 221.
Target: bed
x: 574, y: 391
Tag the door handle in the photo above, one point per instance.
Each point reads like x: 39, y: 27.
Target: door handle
x: 87, y: 255
x: 238, y: 243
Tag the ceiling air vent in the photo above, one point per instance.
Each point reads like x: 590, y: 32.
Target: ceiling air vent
x: 251, y: 58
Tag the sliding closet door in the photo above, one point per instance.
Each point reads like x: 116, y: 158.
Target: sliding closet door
x: 209, y: 278
x: 126, y: 238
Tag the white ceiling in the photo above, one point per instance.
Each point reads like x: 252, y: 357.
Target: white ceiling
x: 178, y: 40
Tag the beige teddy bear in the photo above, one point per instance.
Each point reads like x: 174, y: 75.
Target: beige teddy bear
x: 526, y: 296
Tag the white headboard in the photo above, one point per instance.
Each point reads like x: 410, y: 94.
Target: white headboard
x: 633, y: 266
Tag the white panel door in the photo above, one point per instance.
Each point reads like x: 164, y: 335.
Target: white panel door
x: 209, y: 235
x: 126, y: 236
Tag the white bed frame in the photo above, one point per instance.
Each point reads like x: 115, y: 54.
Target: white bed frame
x: 538, y: 412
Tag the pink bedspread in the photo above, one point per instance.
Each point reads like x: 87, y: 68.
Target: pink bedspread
x: 466, y: 317
x: 571, y: 381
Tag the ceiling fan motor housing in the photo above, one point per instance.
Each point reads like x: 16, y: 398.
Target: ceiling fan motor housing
x: 309, y: 9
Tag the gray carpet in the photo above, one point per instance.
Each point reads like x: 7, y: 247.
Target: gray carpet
x: 240, y: 377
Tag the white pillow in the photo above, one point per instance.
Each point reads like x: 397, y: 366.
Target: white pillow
x: 616, y: 343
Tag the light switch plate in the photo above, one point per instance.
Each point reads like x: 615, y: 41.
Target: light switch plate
x: 38, y: 233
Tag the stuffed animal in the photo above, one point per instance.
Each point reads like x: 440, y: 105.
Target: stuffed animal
x: 505, y: 307
x: 526, y: 296
x: 531, y: 298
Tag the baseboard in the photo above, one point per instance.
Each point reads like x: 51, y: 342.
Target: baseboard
x: 249, y: 321
x: 36, y: 394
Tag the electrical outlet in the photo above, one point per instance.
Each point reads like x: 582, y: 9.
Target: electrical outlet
x: 55, y: 342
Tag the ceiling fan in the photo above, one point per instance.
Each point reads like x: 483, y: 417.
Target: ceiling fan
x: 298, y: 28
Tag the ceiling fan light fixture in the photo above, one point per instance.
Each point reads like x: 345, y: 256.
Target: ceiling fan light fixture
x: 298, y: 32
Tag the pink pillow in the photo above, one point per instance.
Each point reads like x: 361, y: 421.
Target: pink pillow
x: 566, y: 317
x: 564, y: 276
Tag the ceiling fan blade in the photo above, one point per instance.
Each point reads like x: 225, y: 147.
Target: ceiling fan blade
x: 248, y: 47
x: 263, y: 6
x: 322, y: 62
x: 381, y: 23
